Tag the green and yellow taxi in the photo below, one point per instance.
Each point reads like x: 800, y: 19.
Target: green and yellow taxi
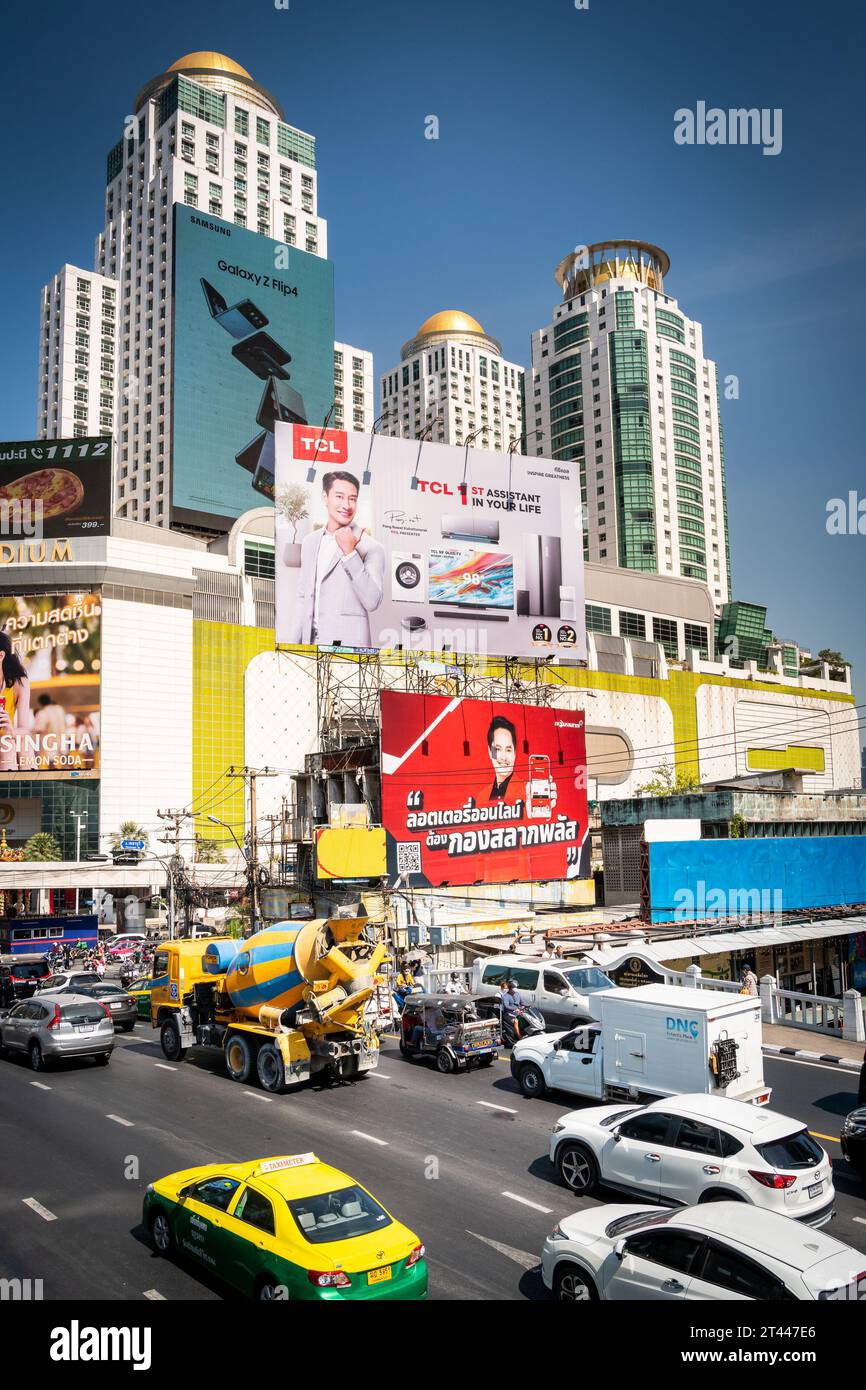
x: 140, y: 992
x: 285, y: 1228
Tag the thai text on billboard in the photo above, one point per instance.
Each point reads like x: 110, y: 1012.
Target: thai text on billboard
x: 478, y: 791
x: 50, y: 645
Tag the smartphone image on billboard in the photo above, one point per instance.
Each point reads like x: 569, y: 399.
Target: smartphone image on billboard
x: 263, y: 356
x: 540, y: 794
x: 240, y: 320
x: 258, y: 454
x: 280, y: 402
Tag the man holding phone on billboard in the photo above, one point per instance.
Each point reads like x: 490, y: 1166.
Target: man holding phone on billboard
x: 342, y: 573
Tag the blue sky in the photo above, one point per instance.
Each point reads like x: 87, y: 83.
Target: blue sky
x: 556, y: 128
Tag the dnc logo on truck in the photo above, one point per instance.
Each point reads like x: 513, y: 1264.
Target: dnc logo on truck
x: 686, y: 1029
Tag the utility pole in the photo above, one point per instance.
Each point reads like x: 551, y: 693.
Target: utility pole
x: 176, y: 864
x: 78, y: 817
x: 251, y: 775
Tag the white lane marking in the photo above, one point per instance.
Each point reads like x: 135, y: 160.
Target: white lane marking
x: 359, y: 1134
x: 380, y: 1074
x: 488, y: 1104
x: 119, y: 1120
x: 40, y: 1085
x: 154, y: 1295
x: 524, y: 1201
x: 39, y: 1209
x: 163, y: 1066
x: 520, y: 1257
x: 820, y: 1066
x: 861, y: 1220
x: 255, y: 1095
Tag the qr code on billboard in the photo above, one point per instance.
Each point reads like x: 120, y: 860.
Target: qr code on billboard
x: 408, y: 857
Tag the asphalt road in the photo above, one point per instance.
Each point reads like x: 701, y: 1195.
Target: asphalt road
x: 462, y: 1160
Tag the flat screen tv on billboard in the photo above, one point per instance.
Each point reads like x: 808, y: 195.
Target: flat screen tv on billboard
x: 479, y: 791
x: 55, y: 487
x: 253, y: 343
x: 384, y: 543
x: 50, y: 645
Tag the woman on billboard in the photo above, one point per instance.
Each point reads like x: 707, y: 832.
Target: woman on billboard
x: 16, y: 715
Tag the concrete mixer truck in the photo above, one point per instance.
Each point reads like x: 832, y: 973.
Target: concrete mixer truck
x: 284, y: 1005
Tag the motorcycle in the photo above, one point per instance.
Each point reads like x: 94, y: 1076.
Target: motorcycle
x: 522, y: 1022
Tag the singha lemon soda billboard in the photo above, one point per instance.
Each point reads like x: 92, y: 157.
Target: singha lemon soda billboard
x: 480, y: 791
x: 385, y: 542
x: 253, y: 343
x: 50, y: 647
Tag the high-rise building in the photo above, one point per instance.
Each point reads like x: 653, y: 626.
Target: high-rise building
x: 354, y: 401
x: 77, y: 369
x: 204, y: 133
x: 453, y: 384
x: 620, y: 384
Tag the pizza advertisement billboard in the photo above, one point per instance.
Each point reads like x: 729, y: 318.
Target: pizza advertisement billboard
x: 51, y: 649
x: 481, y: 791
x: 55, y: 487
x: 384, y: 543
x: 253, y: 343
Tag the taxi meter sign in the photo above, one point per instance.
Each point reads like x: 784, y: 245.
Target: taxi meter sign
x: 274, y: 1165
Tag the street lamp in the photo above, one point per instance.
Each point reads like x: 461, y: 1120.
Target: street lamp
x: 78, y: 817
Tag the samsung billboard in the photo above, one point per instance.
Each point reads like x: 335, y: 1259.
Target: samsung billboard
x: 253, y: 343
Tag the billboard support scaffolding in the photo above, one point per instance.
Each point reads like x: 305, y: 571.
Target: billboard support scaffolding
x: 347, y: 698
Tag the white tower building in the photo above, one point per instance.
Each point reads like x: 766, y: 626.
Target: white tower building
x: 77, y: 342
x: 620, y: 384
x: 452, y: 384
x: 354, y: 397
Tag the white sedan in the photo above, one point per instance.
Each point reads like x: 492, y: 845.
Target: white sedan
x: 684, y: 1150
x: 702, y: 1254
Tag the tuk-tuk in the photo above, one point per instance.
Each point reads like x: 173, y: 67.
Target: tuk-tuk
x: 447, y: 1027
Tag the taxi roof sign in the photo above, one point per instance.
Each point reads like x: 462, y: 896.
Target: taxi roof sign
x: 274, y: 1165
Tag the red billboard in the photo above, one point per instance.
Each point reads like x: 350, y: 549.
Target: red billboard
x: 482, y: 791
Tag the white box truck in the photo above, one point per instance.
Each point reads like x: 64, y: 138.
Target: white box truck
x: 657, y: 1040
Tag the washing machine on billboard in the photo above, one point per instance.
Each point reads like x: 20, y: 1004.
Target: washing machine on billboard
x: 408, y: 577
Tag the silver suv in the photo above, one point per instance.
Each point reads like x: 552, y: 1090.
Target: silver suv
x: 50, y: 1026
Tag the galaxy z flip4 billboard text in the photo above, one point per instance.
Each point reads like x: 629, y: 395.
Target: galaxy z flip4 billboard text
x: 384, y: 542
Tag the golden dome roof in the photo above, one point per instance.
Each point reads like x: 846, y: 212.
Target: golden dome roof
x: 207, y: 58
x: 450, y: 321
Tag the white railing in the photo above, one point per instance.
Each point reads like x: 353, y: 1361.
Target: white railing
x: 816, y: 1013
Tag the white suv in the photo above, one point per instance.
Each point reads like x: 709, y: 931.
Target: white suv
x: 703, y: 1254
x: 688, y: 1149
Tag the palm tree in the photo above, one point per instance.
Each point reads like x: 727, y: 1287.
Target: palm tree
x: 43, y: 847
x: 128, y: 830
x: 208, y: 851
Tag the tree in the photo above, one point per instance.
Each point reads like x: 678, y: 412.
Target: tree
x: 129, y: 830
x: 291, y: 502
x: 43, y: 848
x: 208, y: 851
x: 666, y: 782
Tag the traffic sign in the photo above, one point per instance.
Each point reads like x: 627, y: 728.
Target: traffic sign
x: 131, y: 844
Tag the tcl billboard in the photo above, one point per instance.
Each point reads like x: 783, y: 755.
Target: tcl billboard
x: 384, y: 543
x: 479, y: 791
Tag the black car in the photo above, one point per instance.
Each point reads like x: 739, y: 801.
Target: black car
x: 854, y: 1141
x: 121, y: 1006
x: 25, y: 974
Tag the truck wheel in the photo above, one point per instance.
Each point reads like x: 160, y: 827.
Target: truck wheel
x: 531, y: 1079
x: 239, y: 1057
x: 444, y: 1062
x: 271, y: 1069
x: 577, y: 1168
x: 169, y: 1041
x: 351, y: 1068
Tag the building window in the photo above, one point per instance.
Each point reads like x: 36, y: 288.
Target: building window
x: 598, y: 619
x: 665, y: 633
x: 632, y: 625
x: 242, y: 121
x: 695, y: 635
x: 258, y: 560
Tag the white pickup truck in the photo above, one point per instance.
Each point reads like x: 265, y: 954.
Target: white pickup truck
x: 657, y: 1040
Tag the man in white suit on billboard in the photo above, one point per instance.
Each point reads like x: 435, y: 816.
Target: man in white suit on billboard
x: 342, y: 573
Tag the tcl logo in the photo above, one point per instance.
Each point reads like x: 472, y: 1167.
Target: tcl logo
x: 331, y: 446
